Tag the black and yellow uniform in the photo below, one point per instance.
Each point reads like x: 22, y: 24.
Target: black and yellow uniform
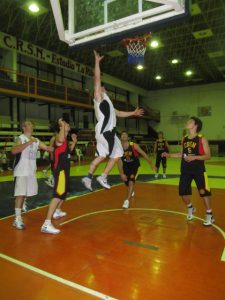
x: 131, y: 163
x: 160, y: 148
x: 194, y: 169
x: 61, y: 169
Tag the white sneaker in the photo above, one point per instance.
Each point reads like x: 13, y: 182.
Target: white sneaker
x: 190, y: 214
x: 25, y: 207
x: 103, y: 182
x: 126, y: 204
x: 49, y: 183
x: 49, y: 229
x: 18, y: 223
x: 133, y: 194
x: 59, y: 214
x: 156, y: 175
x: 209, y: 220
x: 87, y: 183
x: 164, y: 175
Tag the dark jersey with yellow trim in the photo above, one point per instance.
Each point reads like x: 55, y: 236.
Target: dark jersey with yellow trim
x: 161, y: 146
x: 192, y: 147
x: 130, y: 157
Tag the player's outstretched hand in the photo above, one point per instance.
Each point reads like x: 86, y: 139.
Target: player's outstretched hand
x: 165, y: 154
x: 189, y: 158
x: 49, y: 149
x: 138, y: 112
x: 153, y: 167
x: 98, y: 58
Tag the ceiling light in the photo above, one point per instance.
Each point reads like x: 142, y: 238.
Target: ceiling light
x: 158, y: 77
x: 140, y: 67
x: 174, y: 61
x: 34, y: 8
x: 188, y: 73
x: 154, y: 44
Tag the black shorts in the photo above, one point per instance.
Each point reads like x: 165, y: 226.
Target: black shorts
x: 61, y: 185
x: 201, y: 180
x: 131, y: 173
x: 160, y: 159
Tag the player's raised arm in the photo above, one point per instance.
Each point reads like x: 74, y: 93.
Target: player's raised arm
x: 97, y: 77
x: 138, y: 112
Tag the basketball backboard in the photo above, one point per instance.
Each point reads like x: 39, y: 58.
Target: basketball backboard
x: 94, y: 21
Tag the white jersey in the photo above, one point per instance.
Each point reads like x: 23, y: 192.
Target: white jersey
x: 25, y: 161
x: 105, y: 115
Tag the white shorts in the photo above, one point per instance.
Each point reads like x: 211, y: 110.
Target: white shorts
x: 108, y: 144
x: 25, y: 186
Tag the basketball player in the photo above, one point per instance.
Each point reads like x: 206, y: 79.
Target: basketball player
x: 108, y: 143
x: 129, y: 163
x: 161, y: 146
x: 25, y: 167
x: 195, y: 150
x: 61, y: 169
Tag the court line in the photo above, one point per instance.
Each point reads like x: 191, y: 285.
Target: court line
x: 56, y: 278
x: 223, y: 255
x: 145, y: 209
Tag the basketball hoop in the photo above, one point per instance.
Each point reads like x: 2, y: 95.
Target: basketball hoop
x: 136, y: 48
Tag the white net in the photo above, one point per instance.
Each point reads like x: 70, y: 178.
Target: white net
x: 136, y: 48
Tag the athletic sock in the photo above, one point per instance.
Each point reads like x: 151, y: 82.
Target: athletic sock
x: 89, y: 175
x: 18, y: 212
x: 189, y: 205
x: 209, y: 211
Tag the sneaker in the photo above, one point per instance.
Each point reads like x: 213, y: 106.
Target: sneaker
x: 209, y: 220
x: 156, y: 175
x: 18, y: 223
x: 103, y: 182
x: 133, y: 194
x: 49, y: 229
x: 59, y: 214
x: 190, y: 214
x: 49, y: 183
x: 25, y: 207
x: 126, y: 204
x: 164, y: 175
x: 87, y: 183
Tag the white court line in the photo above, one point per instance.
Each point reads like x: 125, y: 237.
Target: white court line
x: 145, y: 209
x: 56, y: 278
x: 223, y: 255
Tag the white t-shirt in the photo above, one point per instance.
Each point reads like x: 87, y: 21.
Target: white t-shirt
x: 105, y: 115
x: 25, y: 161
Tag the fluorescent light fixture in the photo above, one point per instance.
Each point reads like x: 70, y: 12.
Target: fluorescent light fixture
x: 174, y: 61
x: 158, y: 77
x: 154, y: 44
x: 188, y: 73
x: 34, y: 8
x: 140, y: 67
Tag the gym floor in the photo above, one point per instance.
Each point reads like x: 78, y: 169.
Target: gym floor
x: 149, y: 251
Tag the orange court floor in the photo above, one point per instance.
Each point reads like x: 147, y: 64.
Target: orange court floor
x: 149, y: 251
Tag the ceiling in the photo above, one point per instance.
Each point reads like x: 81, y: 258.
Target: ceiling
x: 197, y: 41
